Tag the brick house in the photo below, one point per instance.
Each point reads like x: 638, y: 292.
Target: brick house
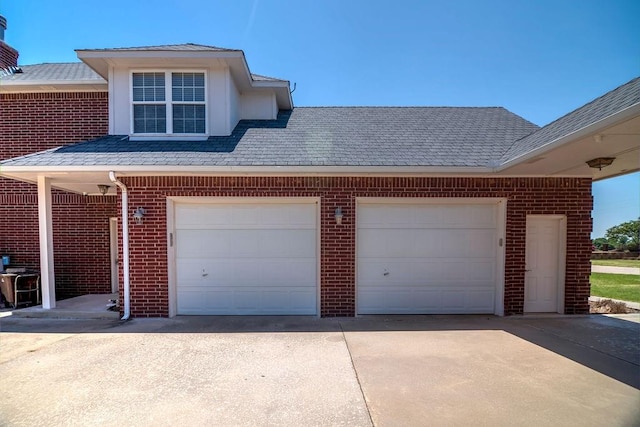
x: 231, y: 201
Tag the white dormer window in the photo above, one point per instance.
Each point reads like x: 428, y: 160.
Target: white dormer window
x: 169, y: 102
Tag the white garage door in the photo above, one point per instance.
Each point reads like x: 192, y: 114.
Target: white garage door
x: 426, y: 258
x: 246, y: 258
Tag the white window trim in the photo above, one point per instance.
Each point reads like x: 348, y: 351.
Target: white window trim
x: 168, y: 102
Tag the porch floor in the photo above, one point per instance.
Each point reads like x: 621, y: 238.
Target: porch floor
x: 92, y: 306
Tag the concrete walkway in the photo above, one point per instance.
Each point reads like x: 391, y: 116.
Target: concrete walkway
x: 614, y: 270
x: 92, y: 306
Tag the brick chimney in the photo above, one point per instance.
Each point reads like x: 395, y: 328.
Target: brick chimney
x: 8, y: 55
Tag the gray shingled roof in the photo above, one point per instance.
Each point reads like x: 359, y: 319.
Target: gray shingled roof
x: 72, y: 71
x: 192, y: 47
x: 261, y: 78
x: 600, y: 108
x: 319, y: 136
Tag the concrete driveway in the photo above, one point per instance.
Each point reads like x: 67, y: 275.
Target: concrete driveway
x: 297, y: 371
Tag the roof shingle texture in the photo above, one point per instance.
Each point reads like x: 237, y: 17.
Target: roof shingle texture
x: 168, y: 47
x: 74, y: 71
x: 319, y: 136
x: 71, y: 71
x: 600, y: 108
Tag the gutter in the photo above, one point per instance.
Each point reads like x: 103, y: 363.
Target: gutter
x: 125, y: 243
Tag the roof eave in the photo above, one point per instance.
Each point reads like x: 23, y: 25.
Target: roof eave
x: 33, y: 86
x: 212, y: 170
x: 593, y: 128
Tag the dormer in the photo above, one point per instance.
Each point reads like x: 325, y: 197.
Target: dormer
x: 184, y: 91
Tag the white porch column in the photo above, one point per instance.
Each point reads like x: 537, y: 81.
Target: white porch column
x: 45, y: 225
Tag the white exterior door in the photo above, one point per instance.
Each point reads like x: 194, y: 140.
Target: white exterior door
x: 252, y: 257
x: 415, y: 258
x: 542, y: 265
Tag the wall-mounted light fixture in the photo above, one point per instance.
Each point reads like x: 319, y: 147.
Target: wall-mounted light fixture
x: 339, y: 216
x: 139, y: 214
x: 104, y: 189
x: 600, y: 162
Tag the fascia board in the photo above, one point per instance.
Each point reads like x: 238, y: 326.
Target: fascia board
x: 593, y: 128
x: 270, y: 84
x: 209, y: 170
x: 135, y: 54
x: 52, y: 82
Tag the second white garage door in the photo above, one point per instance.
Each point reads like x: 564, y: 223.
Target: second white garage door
x: 423, y: 258
x: 246, y: 258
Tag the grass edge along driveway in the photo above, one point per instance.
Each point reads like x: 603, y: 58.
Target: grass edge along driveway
x: 617, y: 262
x: 625, y: 287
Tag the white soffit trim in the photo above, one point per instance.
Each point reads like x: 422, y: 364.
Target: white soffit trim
x: 620, y: 116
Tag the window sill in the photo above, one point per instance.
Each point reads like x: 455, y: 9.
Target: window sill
x: 168, y: 137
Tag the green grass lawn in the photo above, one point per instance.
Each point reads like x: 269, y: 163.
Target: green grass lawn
x: 624, y: 287
x: 617, y: 262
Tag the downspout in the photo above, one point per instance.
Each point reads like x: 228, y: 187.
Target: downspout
x: 125, y: 242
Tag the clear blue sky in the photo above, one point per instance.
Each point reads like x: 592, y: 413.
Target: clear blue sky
x: 540, y: 59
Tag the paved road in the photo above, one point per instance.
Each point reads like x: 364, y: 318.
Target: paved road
x: 293, y: 371
x: 614, y: 270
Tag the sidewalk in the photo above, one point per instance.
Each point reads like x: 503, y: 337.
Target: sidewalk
x: 614, y: 270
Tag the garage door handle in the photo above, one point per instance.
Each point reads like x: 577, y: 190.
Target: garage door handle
x: 527, y: 270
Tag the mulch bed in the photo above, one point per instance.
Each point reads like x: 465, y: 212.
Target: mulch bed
x: 608, y: 306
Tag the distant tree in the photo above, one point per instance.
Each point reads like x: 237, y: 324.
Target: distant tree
x: 625, y: 235
x: 601, y: 244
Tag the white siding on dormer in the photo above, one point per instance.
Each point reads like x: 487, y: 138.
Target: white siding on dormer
x: 218, y: 103
x: 121, y: 102
x: 259, y: 106
x: 234, y: 107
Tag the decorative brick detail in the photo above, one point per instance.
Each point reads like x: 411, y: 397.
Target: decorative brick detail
x: 525, y: 196
x: 39, y: 121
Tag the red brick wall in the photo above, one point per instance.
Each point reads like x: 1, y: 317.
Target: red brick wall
x: 525, y: 196
x: 34, y: 122
x: 8, y: 55
x: 40, y: 121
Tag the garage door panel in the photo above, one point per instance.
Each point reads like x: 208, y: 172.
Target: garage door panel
x: 245, y: 243
x: 480, y: 272
x: 425, y: 301
x: 424, y: 271
x: 407, y: 215
x: 427, y: 258
x: 231, y: 301
x: 246, y: 258
x: 206, y: 216
x: 479, y: 242
x: 399, y: 243
x: 287, y: 243
x: 205, y: 272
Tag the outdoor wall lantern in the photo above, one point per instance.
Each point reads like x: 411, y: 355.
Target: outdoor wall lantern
x: 104, y: 189
x: 600, y: 162
x: 339, y: 216
x: 139, y: 214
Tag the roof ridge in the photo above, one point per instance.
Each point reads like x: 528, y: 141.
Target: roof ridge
x: 54, y: 63
x: 161, y: 47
